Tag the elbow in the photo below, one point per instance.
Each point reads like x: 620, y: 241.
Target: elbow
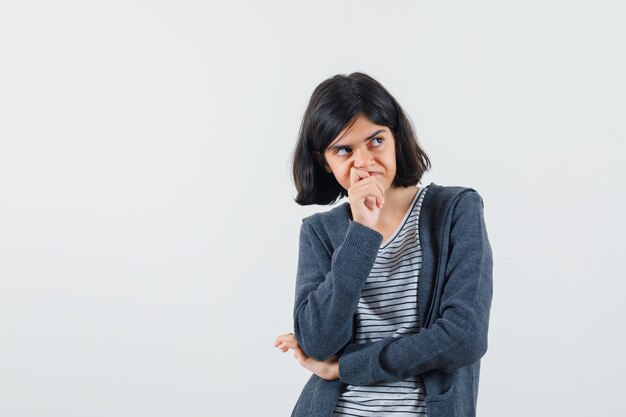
x: 475, y: 346
x: 478, y: 349
x: 475, y: 349
x: 469, y: 351
x: 318, y: 348
x: 318, y: 337
x: 480, y: 341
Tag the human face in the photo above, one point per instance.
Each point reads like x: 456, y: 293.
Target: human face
x: 362, y: 145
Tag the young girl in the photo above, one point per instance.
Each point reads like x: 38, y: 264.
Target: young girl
x: 376, y: 342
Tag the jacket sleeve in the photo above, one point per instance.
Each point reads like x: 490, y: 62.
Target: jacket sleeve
x: 458, y: 335
x: 325, y: 301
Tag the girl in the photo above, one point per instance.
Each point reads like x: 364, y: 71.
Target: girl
x: 375, y: 342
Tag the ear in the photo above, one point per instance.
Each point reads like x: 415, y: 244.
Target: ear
x: 322, y: 161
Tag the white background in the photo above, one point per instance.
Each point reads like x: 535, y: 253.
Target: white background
x: 148, y: 233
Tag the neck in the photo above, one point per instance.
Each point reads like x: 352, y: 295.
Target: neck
x: 397, y: 201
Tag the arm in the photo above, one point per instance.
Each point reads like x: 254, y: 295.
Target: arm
x: 325, y: 302
x: 458, y: 336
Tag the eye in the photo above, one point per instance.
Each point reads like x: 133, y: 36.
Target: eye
x: 376, y: 145
x: 380, y: 143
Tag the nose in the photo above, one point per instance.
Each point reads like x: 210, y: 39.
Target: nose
x: 362, y: 158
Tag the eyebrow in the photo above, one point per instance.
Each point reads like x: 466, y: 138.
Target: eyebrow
x: 337, y: 147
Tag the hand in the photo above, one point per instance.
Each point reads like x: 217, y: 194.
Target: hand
x: 366, y: 196
x: 328, y: 369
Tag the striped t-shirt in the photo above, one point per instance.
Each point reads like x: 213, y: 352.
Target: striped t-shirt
x: 388, y: 307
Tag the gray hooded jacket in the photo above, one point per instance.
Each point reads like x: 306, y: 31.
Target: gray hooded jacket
x: 336, y: 256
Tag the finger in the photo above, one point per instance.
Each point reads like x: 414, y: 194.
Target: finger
x: 371, y: 203
x: 378, y: 191
x: 379, y: 185
x: 291, y: 344
x: 357, y: 174
x: 282, y: 337
x: 373, y: 195
x: 279, y: 340
x: 284, y: 348
x: 371, y: 188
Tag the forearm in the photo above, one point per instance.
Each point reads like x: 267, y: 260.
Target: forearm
x: 325, y: 304
x: 457, y: 334
x: 444, y: 346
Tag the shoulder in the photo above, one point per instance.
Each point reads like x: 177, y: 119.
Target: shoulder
x: 449, y: 192
x: 333, y: 215
x: 328, y: 227
x: 445, y: 205
x: 444, y: 197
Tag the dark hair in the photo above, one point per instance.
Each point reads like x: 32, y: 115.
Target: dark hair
x: 334, y: 103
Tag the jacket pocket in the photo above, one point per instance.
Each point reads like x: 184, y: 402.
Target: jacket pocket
x: 441, y: 405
